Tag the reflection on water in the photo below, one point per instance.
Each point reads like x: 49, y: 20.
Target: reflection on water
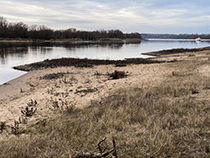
x: 74, y: 48
x: 42, y: 50
x: 13, y: 54
x: 6, y: 51
x: 9, y: 51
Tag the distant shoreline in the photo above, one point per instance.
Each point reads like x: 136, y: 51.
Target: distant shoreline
x: 75, y: 41
x: 175, y: 51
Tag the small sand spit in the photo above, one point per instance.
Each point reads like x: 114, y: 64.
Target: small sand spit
x: 52, y: 88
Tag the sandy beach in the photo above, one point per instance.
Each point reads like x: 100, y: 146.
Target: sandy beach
x: 77, y: 85
x: 164, y: 95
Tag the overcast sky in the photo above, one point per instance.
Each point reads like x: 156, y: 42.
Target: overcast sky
x: 143, y: 16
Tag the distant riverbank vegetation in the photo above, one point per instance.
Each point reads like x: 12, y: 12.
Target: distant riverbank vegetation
x: 35, y: 32
x: 174, y: 36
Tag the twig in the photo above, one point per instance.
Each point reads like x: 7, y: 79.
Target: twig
x: 115, y: 151
x: 159, y: 149
x: 101, y: 154
x: 99, y: 147
x: 107, y: 153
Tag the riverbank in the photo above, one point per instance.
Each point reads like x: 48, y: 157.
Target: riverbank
x: 156, y: 109
x: 75, y: 41
x: 175, y: 51
x: 75, y: 76
x: 81, y: 63
x: 94, y: 62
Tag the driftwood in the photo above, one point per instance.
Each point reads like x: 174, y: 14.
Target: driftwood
x: 102, y: 153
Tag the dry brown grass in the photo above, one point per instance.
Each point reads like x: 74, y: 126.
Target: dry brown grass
x: 166, y: 120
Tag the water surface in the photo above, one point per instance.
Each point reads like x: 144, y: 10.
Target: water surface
x: 12, y: 54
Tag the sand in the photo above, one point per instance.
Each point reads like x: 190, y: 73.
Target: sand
x: 76, y: 86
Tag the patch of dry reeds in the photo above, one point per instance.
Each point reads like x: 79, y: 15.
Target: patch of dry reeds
x: 166, y: 120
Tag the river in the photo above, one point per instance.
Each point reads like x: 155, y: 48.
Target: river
x: 13, y: 55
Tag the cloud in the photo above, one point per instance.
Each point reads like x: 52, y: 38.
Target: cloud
x: 126, y: 15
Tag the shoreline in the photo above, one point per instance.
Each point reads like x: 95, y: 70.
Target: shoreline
x: 77, y: 62
x: 172, y: 90
x: 82, y: 63
x: 163, y: 56
x: 58, y: 42
x: 175, y: 51
x: 74, y: 84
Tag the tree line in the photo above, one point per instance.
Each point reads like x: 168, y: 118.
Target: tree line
x: 193, y: 36
x: 21, y: 30
x: 175, y: 36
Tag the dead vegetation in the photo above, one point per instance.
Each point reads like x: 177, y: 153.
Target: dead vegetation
x: 54, y: 76
x: 98, y: 73
x: 103, y: 152
x: 81, y: 63
x: 117, y: 74
x: 16, y: 129
x: 170, y: 119
x: 161, y: 121
x: 2, y: 126
x: 84, y: 92
x: 176, y: 51
x: 28, y: 112
x: 120, y: 65
x: 32, y: 103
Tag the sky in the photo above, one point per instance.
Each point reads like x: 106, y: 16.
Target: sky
x: 143, y: 16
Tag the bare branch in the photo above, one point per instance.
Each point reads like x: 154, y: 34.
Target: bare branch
x: 115, y: 151
x: 98, y: 155
x: 99, y: 147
